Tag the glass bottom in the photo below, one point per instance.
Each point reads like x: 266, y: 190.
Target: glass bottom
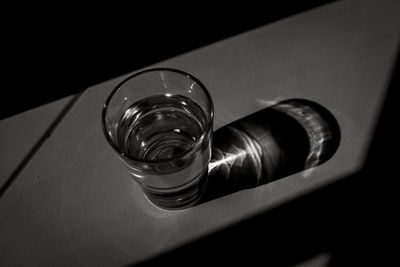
x: 180, y: 197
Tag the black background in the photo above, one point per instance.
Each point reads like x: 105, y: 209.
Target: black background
x: 52, y: 50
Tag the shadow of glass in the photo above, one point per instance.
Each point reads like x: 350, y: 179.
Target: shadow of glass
x: 288, y: 137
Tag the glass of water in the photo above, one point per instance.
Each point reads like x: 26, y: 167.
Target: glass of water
x: 159, y: 121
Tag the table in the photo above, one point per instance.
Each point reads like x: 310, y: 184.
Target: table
x: 72, y: 203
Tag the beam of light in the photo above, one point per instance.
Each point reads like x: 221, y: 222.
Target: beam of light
x: 229, y: 159
x: 245, y: 153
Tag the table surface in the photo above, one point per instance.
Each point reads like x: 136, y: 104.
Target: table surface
x: 39, y: 122
x: 72, y: 202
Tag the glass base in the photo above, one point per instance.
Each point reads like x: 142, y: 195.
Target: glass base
x: 181, y: 197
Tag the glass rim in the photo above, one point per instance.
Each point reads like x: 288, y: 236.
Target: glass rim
x: 157, y: 69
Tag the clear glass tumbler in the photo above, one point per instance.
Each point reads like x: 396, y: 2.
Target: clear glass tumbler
x: 159, y: 121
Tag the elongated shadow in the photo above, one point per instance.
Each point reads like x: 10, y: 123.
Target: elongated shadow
x: 288, y: 137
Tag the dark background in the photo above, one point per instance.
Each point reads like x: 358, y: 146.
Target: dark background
x: 51, y: 51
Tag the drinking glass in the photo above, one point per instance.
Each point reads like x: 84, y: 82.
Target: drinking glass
x: 159, y: 121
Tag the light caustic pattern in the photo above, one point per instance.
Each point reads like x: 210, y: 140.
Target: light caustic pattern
x: 246, y: 153
x: 318, y: 131
x: 287, y: 137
